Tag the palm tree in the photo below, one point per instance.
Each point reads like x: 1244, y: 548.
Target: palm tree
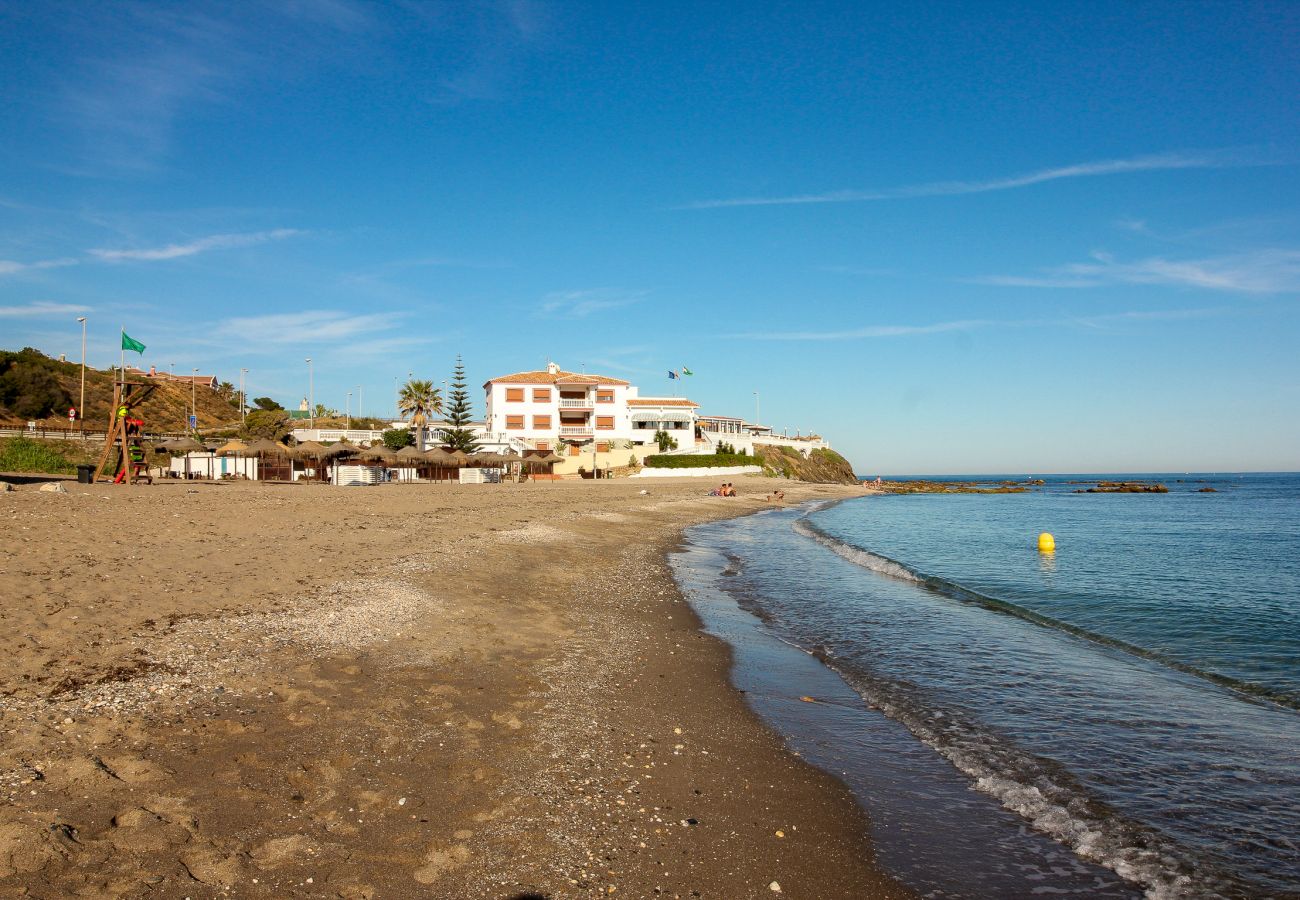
x: 419, y: 400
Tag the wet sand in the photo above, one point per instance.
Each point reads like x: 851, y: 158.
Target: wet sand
x: 402, y: 691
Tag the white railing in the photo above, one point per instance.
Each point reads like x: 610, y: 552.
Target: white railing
x: 576, y: 429
x: 576, y: 404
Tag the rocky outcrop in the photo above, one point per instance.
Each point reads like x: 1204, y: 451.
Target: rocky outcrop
x: 819, y: 467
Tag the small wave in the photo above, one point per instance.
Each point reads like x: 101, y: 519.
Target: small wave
x: 892, y: 568
x: 1043, y: 793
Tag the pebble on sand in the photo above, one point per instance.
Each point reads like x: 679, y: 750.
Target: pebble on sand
x: 775, y: 887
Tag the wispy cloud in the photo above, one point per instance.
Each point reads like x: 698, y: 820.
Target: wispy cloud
x: 870, y: 331
x: 580, y: 304
x: 1269, y: 271
x: 10, y: 267
x: 306, y: 327
x: 212, y: 242
x: 961, y: 325
x: 1151, y: 163
x: 146, y: 66
x: 42, y: 308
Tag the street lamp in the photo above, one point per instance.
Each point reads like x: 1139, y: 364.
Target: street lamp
x: 194, y: 398
x: 81, y: 408
x: 243, y: 397
x: 359, y: 396
x: 311, y: 394
x: 347, y: 413
x: 758, y: 417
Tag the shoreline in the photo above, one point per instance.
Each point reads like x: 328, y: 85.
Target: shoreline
x: 475, y: 691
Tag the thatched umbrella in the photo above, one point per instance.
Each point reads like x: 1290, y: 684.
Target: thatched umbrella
x: 542, y: 461
x: 441, y: 460
x: 459, y: 458
x: 410, y: 457
x: 341, y: 448
x: 262, y: 448
x: 266, y: 447
x: 310, y: 450
x: 235, y: 448
x: 508, y: 459
x: 379, y: 453
x: 185, y: 445
x: 317, y: 452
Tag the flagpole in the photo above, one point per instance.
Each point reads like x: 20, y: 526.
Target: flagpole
x: 123, y: 345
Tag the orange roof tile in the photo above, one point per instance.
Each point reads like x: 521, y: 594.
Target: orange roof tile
x: 665, y: 401
x: 548, y: 378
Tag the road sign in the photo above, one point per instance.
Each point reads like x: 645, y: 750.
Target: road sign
x: 72, y: 414
x: 194, y: 421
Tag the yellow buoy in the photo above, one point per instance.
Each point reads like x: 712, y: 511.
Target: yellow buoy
x: 1046, y: 543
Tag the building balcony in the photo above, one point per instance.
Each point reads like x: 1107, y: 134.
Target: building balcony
x: 576, y: 431
x: 573, y: 403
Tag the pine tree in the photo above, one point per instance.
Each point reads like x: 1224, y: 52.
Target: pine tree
x: 459, y: 414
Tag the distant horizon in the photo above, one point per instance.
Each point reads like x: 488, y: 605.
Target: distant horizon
x: 1009, y: 475
x: 939, y: 236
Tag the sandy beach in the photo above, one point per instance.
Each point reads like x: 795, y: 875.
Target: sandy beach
x: 406, y: 691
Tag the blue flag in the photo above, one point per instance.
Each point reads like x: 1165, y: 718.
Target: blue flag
x: 672, y: 374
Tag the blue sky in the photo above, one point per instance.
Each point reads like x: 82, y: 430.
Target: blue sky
x: 951, y: 237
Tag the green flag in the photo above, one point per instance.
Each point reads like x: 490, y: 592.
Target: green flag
x: 130, y: 343
x: 686, y: 371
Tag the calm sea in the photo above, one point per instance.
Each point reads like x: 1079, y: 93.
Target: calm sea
x: 1117, y: 718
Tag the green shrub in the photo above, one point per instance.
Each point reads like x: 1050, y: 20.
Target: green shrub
x: 699, y: 462
x: 397, y: 438
x: 665, y: 441
x: 20, y: 454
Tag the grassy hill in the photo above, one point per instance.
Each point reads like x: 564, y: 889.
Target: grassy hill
x: 35, y: 387
x: 821, y: 466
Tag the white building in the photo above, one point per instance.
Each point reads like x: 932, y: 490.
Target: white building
x: 568, y: 412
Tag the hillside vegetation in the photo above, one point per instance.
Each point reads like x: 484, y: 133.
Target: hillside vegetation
x: 20, y: 454
x: 820, y: 467
x: 34, y: 387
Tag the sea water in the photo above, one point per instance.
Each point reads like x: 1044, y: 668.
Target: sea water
x: 1116, y: 718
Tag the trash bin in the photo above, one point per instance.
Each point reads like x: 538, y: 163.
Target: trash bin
x: 85, y: 474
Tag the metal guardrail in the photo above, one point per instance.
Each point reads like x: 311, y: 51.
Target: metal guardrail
x: 77, y: 434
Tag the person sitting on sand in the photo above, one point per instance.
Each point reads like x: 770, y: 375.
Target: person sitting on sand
x: 728, y: 490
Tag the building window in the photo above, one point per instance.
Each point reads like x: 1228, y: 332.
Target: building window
x: 514, y: 395
x: 604, y: 396
x: 575, y: 450
x: 605, y: 423
x: 514, y: 423
x: 541, y: 423
x: 602, y: 447
x: 541, y: 395
x: 543, y: 445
